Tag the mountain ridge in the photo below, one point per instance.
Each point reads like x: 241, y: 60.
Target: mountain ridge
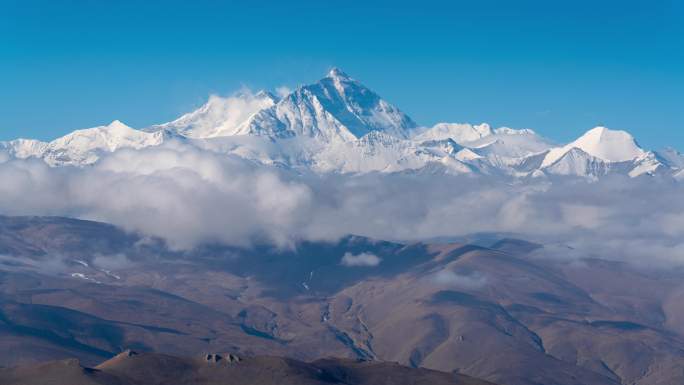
x: 495, y: 311
x: 132, y: 368
x: 339, y: 125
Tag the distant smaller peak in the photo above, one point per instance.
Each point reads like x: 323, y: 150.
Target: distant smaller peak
x: 514, y: 131
x: 117, y: 124
x: 603, y: 131
x: 336, y: 73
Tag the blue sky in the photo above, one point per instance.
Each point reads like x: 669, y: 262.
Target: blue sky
x: 559, y: 67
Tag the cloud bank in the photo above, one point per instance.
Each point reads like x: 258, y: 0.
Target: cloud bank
x: 190, y: 196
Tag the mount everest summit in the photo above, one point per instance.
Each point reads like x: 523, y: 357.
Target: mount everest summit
x: 337, y: 125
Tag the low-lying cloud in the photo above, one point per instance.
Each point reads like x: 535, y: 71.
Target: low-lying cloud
x: 360, y: 260
x: 189, y: 196
x: 472, y: 280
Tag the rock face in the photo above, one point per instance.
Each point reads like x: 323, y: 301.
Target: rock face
x: 150, y: 369
x: 226, y: 357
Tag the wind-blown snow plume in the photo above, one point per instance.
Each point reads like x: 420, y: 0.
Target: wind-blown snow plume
x: 220, y: 116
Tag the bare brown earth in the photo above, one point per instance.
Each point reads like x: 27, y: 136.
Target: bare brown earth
x: 213, y: 369
x: 506, y: 313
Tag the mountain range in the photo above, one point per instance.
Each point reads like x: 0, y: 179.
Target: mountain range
x: 502, y: 310
x: 337, y: 125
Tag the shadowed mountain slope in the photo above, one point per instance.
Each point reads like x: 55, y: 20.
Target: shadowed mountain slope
x: 130, y: 368
x: 506, y: 313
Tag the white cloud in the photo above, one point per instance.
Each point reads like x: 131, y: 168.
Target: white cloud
x: 584, y: 215
x: 178, y: 193
x: 473, y: 280
x: 190, y: 196
x: 360, y: 260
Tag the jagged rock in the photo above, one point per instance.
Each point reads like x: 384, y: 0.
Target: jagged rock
x: 227, y: 357
x: 213, y: 358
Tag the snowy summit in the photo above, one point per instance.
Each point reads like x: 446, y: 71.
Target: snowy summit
x: 339, y: 125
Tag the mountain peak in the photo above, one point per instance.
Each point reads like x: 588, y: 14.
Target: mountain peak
x: 117, y: 125
x: 336, y: 107
x: 602, y: 143
x: 610, y: 145
x: 336, y: 73
x: 602, y: 132
x: 262, y: 94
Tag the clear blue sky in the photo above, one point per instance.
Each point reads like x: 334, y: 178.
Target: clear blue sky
x: 559, y: 67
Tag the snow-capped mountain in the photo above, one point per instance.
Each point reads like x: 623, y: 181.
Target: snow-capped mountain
x: 24, y: 148
x: 576, y: 161
x: 600, y: 142
x: 339, y: 125
x: 336, y: 108
x: 219, y: 116
x: 458, y: 132
x: 602, y: 151
x: 85, y: 146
